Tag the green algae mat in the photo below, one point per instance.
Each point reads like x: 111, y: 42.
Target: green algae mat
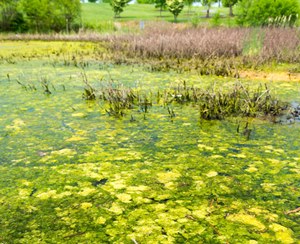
x: 71, y: 173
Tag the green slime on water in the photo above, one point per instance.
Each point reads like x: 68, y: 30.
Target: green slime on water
x: 72, y: 174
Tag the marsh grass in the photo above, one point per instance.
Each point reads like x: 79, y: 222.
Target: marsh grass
x: 117, y: 97
x: 163, y: 46
x: 43, y: 82
x: 214, y: 103
x: 27, y: 87
x: 210, y: 51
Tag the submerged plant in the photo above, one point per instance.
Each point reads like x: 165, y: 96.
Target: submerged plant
x: 89, y: 91
x: 26, y: 87
x: 45, y: 83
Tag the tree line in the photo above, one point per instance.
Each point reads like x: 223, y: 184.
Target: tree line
x: 39, y: 15
x: 250, y: 12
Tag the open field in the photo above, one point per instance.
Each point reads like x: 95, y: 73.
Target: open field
x: 94, y: 14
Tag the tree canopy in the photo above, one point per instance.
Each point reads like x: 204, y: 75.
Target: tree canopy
x: 229, y: 4
x: 207, y: 4
x: 175, y: 7
x: 268, y: 12
x: 118, y: 6
x: 39, y: 15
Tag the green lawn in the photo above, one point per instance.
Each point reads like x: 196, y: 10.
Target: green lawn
x: 94, y: 14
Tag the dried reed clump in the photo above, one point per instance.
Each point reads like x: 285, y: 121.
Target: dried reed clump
x: 281, y: 44
x: 200, y: 43
x: 219, y: 51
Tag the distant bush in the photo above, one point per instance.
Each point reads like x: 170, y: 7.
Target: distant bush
x: 216, y: 20
x: 105, y: 26
x: 268, y: 12
x: 11, y: 19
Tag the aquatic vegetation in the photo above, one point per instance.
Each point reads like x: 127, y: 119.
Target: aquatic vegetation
x: 72, y: 174
x: 213, y: 103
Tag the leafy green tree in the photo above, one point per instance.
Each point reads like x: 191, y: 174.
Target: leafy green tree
x: 207, y: 4
x: 49, y: 15
x: 10, y: 18
x: 118, y: 6
x: 38, y: 14
x: 161, y: 4
x: 175, y: 7
x: 189, y: 3
x: 67, y: 11
x: 268, y: 12
x: 229, y: 4
x: 92, y: 1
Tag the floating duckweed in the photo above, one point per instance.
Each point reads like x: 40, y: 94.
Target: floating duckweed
x: 212, y: 174
x: 200, y: 213
x: 167, y: 177
x: 100, y: 221
x: 76, y: 138
x: 253, y: 242
x: 123, y: 197
x: 24, y: 193
x: 16, y: 125
x: 251, y: 169
x: 86, y: 191
x: 47, y: 195
x: 247, y: 219
x: 86, y: 205
x: 63, y: 194
x: 64, y: 152
x: 118, y: 184
x: 140, y: 188
x: 78, y: 115
x: 283, y: 234
x: 205, y: 147
x: 116, y: 209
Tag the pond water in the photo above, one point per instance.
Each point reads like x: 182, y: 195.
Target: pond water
x: 70, y: 173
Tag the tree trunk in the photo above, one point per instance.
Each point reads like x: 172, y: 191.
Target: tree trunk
x: 67, y: 25
x: 231, y: 12
x: 207, y: 13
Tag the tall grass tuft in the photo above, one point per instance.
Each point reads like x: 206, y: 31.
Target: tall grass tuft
x: 213, y: 103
